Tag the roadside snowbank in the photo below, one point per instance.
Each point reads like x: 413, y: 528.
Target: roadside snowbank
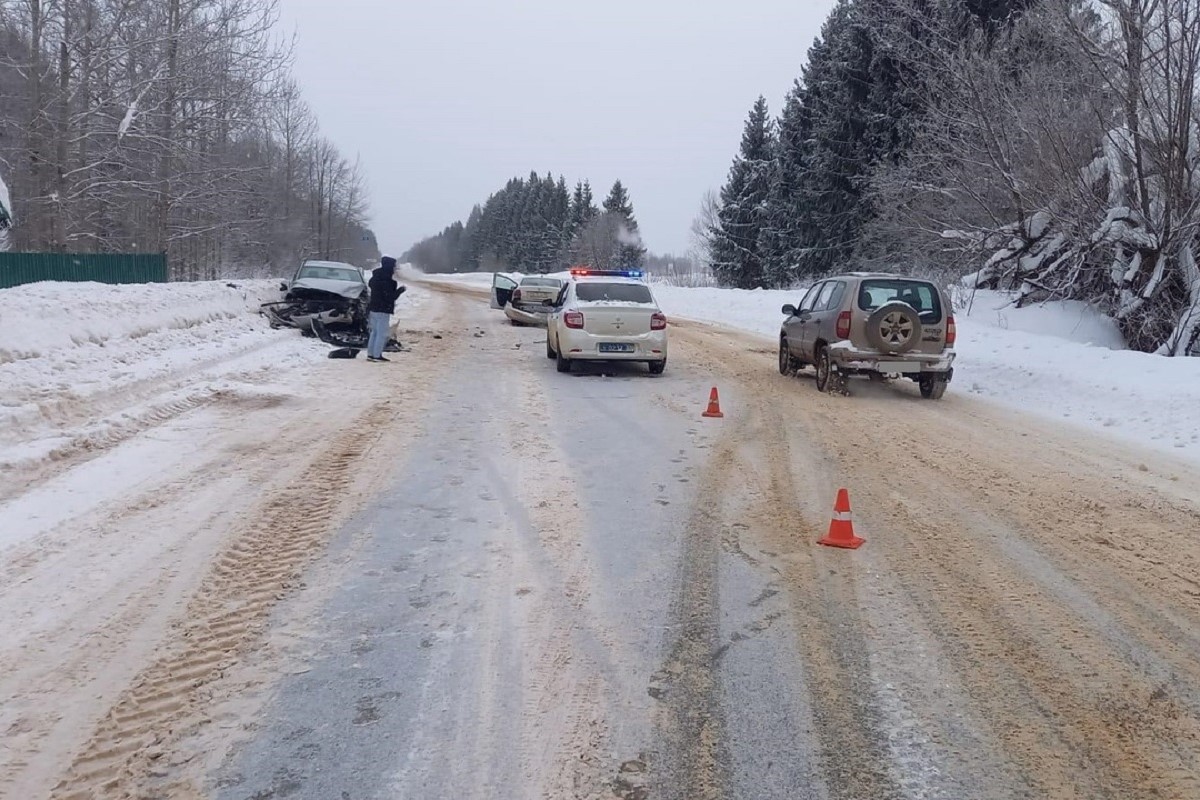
x: 85, y: 366
x: 1070, y: 319
x: 38, y: 318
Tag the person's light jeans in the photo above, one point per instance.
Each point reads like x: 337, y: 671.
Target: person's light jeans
x: 378, y: 324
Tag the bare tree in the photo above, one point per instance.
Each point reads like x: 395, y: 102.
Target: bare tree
x: 702, y: 228
x: 166, y: 126
x: 1061, y: 160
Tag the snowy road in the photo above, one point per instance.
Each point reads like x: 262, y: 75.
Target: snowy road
x: 485, y: 579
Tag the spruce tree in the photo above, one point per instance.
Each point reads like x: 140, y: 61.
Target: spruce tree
x: 528, y: 225
x: 630, y: 254
x: 735, y: 240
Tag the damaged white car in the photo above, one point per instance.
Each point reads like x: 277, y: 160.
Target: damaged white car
x: 330, y: 292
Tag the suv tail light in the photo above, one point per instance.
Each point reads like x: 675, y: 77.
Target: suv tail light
x: 658, y: 322
x: 951, y: 331
x: 573, y: 319
x: 843, y: 325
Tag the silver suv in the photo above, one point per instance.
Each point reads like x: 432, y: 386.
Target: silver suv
x: 884, y: 326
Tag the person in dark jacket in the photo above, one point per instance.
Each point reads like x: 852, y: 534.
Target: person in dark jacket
x: 384, y: 293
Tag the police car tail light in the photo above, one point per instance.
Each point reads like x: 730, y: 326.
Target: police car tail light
x: 951, y: 331
x: 843, y: 325
x: 658, y: 322
x: 573, y: 319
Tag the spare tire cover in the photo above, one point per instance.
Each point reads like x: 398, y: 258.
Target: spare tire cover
x: 894, y: 328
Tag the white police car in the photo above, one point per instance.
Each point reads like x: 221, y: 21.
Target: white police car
x: 606, y: 315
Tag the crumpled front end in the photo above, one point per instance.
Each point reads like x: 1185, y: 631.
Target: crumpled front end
x: 304, y: 305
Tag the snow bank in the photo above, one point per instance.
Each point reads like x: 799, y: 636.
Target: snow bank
x: 86, y: 365
x: 39, y: 318
x: 1072, y: 320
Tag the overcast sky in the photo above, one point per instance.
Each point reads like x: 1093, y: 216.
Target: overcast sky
x: 445, y: 100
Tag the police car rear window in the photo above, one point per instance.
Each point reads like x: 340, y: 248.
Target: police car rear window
x: 619, y: 292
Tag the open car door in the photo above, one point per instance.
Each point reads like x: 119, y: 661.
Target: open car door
x: 502, y: 290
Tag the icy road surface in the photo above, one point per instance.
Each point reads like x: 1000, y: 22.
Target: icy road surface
x: 466, y: 575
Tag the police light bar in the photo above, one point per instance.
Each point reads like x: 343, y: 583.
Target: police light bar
x: 582, y: 272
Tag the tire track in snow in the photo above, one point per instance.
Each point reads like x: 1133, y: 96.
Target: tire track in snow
x: 129, y: 409
x: 830, y: 634
x: 224, y: 618
x: 1087, y: 698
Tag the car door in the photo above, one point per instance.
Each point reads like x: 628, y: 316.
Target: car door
x: 797, y: 326
x: 826, y: 310
x: 552, y: 320
x: 502, y: 289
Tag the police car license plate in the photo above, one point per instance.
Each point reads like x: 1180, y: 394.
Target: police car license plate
x: 613, y: 347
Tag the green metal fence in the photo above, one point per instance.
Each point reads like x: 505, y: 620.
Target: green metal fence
x: 19, y: 268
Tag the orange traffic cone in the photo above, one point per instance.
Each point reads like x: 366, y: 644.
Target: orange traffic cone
x: 714, y: 405
x: 841, y: 529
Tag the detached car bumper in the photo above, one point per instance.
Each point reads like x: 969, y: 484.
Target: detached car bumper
x: 528, y: 315
x: 850, y: 361
x: 576, y: 344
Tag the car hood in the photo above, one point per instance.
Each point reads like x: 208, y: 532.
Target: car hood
x: 345, y: 289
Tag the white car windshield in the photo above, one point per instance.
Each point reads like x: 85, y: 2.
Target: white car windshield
x: 331, y: 274
x: 620, y: 292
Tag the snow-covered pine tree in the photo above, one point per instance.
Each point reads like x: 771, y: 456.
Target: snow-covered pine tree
x: 469, y: 261
x: 583, y: 207
x: 734, y: 242
x: 836, y: 160
x: 780, y: 215
x: 631, y: 254
x: 521, y: 227
x: 527, y: 256
x: 993, y: 11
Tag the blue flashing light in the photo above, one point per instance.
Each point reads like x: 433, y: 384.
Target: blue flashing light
x: 582, y: 272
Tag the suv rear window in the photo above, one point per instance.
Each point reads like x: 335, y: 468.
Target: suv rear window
x: 620, y: 292
x: 922, y: 296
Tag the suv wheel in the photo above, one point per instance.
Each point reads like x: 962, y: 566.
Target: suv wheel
x: 894, y: 328
x: 787, y: 364
x: 933, y: 387
x: 829, y: 380
x: 824, y: 370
